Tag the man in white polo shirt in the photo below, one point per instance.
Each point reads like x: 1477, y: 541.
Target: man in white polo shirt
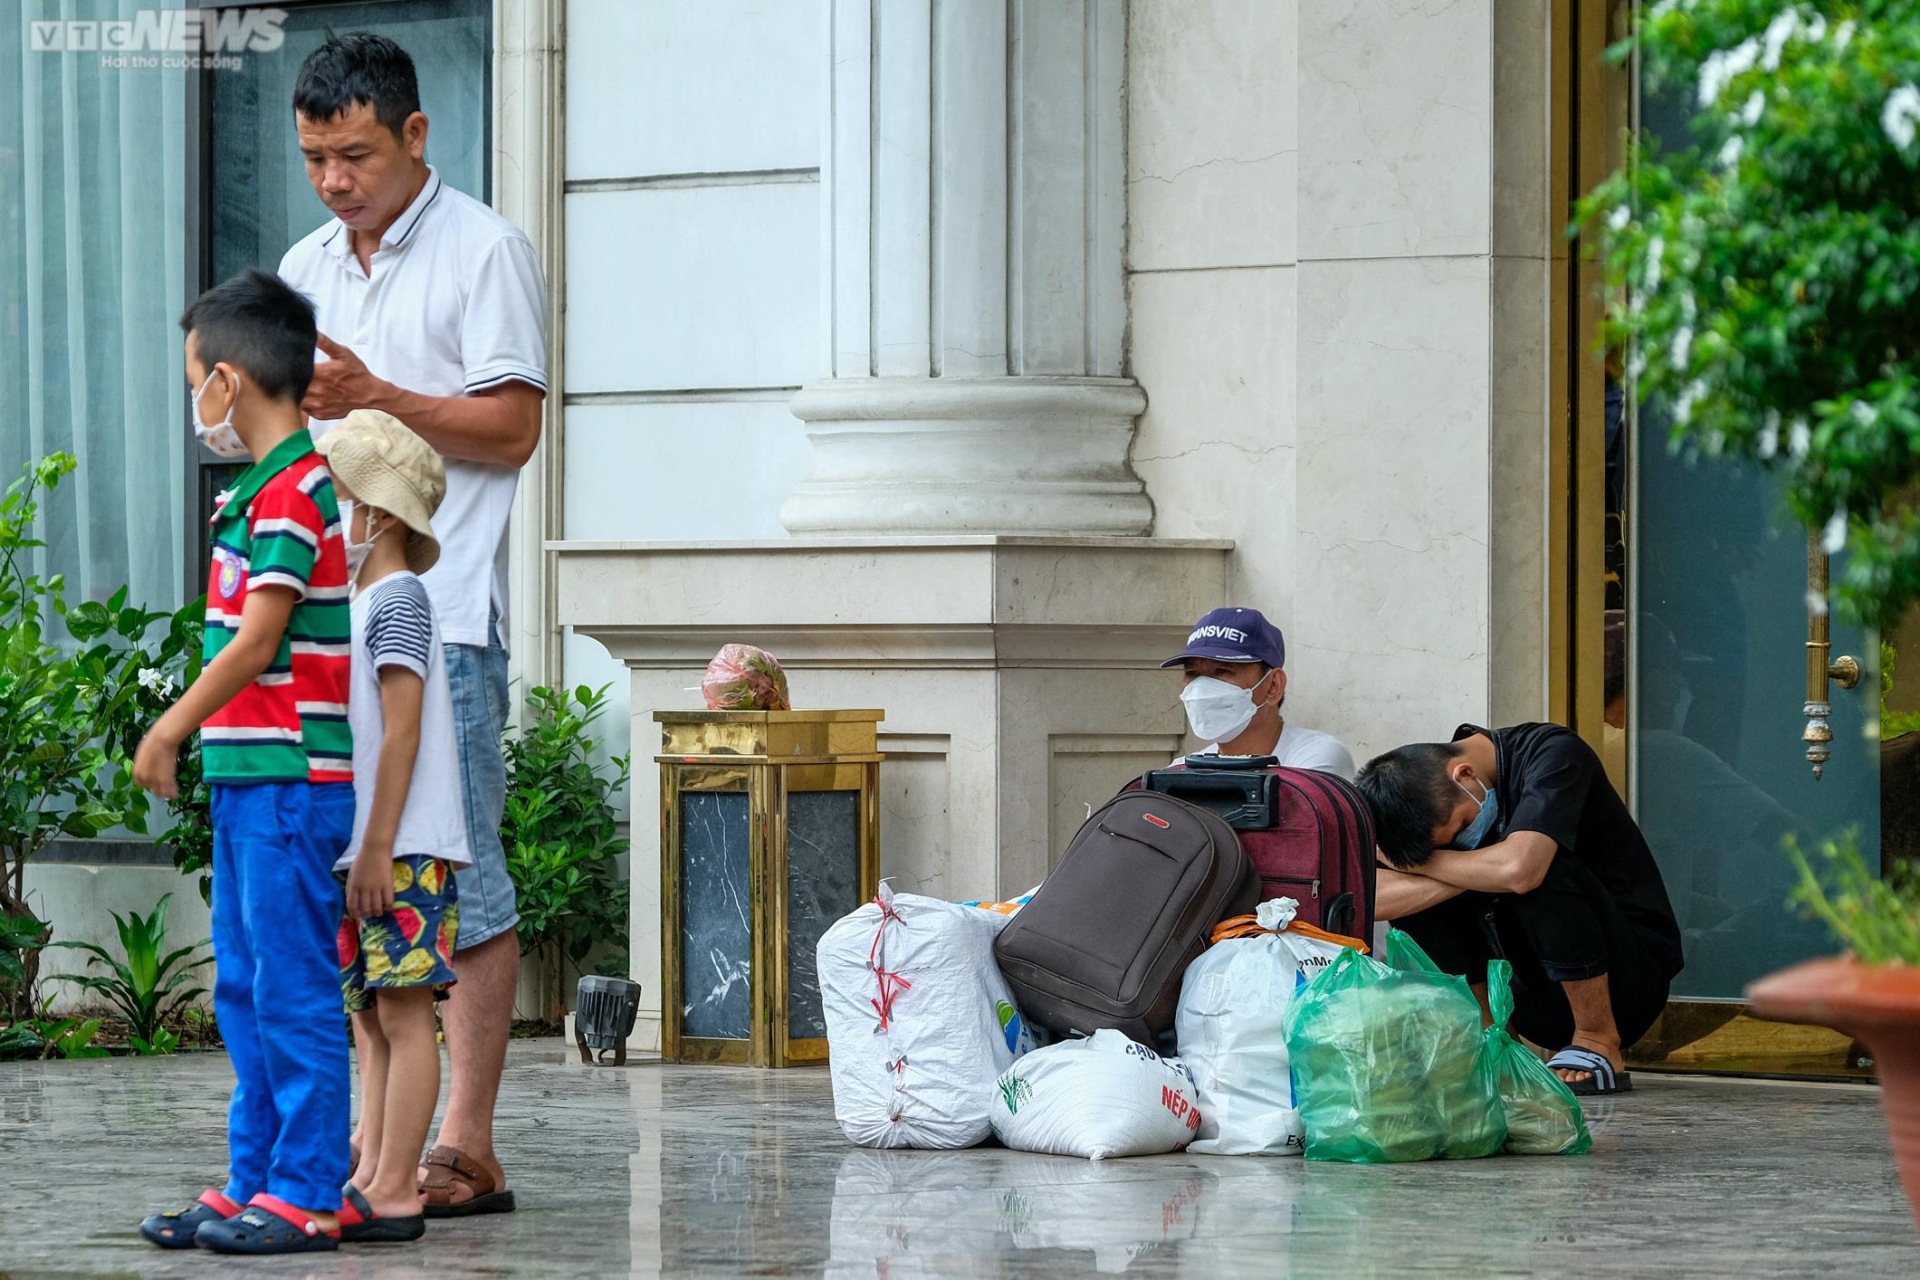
x: 1234, y: 688
x: 432, y: 307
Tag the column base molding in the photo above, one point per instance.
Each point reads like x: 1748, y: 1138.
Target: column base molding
x: 1017, y: 455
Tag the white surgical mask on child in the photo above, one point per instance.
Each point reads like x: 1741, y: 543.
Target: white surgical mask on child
x: 220, y: 437
x: 1218, y: 711
x: 356, y: 551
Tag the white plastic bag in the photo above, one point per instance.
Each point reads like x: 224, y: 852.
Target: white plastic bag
x: 1231, y: 1026
x: 919, y: 1021
x: 1098, y: 1097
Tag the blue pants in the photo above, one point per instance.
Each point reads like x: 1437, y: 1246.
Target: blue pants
x: 276, y: 990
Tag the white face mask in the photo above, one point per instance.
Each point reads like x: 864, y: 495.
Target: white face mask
x: 220, y: 437
x: 1218, y: 711
x: 356, y: 551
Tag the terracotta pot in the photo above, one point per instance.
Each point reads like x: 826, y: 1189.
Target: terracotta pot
x: 1879, y: 1005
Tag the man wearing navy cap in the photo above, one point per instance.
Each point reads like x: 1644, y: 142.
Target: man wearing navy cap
x: 1234, y: 689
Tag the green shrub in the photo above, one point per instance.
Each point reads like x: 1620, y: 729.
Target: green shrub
x: 1878, y: 920
x: 151, y: 985
x: 49, y: 1037
x: 562, y: 837
x: 77, y: 683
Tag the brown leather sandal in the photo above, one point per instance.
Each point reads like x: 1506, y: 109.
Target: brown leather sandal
x: 448, y: 1167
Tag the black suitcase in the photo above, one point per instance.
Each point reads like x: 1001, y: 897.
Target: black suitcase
x: 1108, y: 936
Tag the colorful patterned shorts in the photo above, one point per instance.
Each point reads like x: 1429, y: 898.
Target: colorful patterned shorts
x: 410, y: 946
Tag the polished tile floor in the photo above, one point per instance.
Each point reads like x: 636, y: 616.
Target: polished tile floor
x: 653, y: 1171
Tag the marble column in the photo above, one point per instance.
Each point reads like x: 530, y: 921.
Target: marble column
x: 972, y: 279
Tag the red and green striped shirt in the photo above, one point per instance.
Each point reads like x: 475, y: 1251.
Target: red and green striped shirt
x: 279, y: 526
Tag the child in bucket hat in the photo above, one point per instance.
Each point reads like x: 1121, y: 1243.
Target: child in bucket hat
x: 409, y: 832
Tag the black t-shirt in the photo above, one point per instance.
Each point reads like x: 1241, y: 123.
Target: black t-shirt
x: 1550, y: 781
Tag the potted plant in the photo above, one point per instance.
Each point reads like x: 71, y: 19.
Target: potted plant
x: 563, y: 844
x: 1873, y: 992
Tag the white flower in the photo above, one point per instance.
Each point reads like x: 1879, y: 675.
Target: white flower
x: 1637, y: 365
x: 1799, y: 438
x: 1816, y: 604
x: 1815, y: 27
x: 1770, y: 434
x: 1899, y: 115
x: 1834, y: 539
x: 1756, y: 103
x: 1682, y: 347
x: 1730, y: 151
x: 154, y: 680
x: 1650, y: 277
x: 1683, y: 407
x: 1723, y: 65
x: 1843, y: 35
x: 1619, y: 218
x: 1779, y: 31
x: 1863, y: 413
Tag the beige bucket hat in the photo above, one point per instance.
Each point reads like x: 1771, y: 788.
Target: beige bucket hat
x: 387, y: 466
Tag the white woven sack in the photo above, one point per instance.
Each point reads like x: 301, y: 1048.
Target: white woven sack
x: 1231, y: 1025
x: 1098, y: 1097
x: 919, y: 1021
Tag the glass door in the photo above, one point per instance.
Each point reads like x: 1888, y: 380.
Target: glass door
x: 1707, y: 682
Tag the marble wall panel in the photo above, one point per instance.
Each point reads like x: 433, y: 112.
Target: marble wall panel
x: 1212, y: 145
x: 1396, y: 127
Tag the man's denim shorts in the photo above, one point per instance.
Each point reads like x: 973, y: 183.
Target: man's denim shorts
x: 479, y: 683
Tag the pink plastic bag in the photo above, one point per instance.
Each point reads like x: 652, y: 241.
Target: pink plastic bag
x: 744, y: 678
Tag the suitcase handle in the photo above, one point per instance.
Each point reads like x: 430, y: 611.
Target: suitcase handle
x: 1238, y: 763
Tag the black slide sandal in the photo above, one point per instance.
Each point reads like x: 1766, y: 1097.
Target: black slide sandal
x: 1601, y: 1077
x: 359, y: 1224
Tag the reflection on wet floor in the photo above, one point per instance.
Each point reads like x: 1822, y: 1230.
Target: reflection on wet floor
x: 719, y: 1171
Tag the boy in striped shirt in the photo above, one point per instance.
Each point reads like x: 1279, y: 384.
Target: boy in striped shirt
x: 271, y: 709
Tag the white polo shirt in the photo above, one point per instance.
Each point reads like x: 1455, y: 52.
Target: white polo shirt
x: 454, y: 303
x: 1300, y: 748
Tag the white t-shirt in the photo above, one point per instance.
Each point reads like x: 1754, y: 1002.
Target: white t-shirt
x: 393, y: 626
x: 1300, y: 748
x: 455, y: 303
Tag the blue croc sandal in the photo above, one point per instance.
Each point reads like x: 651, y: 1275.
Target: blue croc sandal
x: 1601, y: 1077
x: 267, y: 1225
x: 176, y: 1230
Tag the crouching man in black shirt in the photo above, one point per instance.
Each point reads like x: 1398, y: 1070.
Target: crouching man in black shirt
x: 1512, y: 843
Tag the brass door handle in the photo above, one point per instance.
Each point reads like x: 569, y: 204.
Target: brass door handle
x: 1844, y: 671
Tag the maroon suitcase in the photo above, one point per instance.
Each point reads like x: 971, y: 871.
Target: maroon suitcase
x: 1106, y: 939
x: 1319, y: 848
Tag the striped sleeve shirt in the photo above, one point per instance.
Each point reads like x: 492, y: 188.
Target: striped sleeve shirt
x: 400, y: 625
x: 280, y: 527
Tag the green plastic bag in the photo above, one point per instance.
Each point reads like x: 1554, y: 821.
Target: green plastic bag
x: 1543, y: 1116
x: 1390, y: 1064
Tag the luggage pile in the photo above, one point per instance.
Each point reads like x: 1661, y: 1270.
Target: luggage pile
x: 1190, y: 976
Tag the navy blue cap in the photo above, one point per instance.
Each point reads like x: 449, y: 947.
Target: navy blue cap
x: 1234, y: 635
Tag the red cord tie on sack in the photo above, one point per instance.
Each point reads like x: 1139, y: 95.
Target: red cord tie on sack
x: 891, y: 984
